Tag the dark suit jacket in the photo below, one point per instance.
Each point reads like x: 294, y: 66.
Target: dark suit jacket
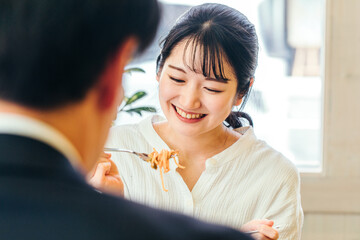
x: 43, y: 197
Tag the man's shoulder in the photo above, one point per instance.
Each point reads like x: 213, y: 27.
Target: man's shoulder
x: 60, y: 206
x: 140, y: 221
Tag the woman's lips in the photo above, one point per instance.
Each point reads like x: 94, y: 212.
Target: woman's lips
x: 188, y: 115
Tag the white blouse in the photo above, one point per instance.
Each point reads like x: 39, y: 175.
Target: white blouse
x: 248, y: 180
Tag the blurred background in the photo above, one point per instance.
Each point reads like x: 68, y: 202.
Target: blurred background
x: 288, y: 85
x: 304, y: 103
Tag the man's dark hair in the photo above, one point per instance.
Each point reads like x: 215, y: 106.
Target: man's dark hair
x: 53, y: 51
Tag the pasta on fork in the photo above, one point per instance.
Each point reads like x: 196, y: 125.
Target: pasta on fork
x: 161, y: 160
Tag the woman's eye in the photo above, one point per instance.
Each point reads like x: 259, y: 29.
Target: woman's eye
x: 177, y: 80
x: 213, y: 90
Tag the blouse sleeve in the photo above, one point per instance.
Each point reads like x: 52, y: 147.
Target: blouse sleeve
x: 285, y: 209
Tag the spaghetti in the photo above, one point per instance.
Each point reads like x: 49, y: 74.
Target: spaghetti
x: 160, y: 160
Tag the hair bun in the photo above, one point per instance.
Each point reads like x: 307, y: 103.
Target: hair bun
x: 236, y: 120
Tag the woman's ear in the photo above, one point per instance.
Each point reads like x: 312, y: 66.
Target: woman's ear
x: 251, y: 82
x: 158, y: 74
x: 238, y: 101
x: 240, y: 98
x: 158, y: 77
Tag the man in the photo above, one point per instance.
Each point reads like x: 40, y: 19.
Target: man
x: 61, y: 63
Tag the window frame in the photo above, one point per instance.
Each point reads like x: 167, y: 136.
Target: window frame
x: 336, y: 189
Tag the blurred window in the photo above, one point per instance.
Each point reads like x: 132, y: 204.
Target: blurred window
x: 286, y: 101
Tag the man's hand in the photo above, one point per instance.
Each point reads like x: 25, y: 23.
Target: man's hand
x: 105, y: 176
x: 266, y: 232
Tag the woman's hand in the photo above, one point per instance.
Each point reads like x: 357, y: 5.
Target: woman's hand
x: 105, y: 176
x: 266, y: 232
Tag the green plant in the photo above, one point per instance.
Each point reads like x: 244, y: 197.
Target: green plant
x: 126, y: 106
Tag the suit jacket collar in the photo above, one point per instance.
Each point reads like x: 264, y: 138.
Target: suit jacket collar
x: 27, y: 157
x: 22, y: 125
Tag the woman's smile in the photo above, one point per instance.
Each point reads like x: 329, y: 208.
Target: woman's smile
x: 189, y: 117
x: 195, y: 104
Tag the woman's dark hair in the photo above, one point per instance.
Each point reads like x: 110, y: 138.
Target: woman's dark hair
x: 221, y: 33
x: 53, y: 51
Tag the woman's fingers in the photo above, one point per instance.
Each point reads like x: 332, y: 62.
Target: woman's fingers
x: 269, y: 232
x: 105, y: 176
x: 97, y: 179
x: 266, y: 222
x: 102, y: 169
x: 105, y: 155
x: 113, y: 169
x: 259, y: 236
x: 264, y: 228
x: 255, y: 224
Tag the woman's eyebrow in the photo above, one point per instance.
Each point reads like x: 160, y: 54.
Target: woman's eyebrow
x: 177, y: 68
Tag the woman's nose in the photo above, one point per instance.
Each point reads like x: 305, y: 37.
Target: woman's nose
x: 190, y: 98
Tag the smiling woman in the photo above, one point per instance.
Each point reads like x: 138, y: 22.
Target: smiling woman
x: 206, y: 67
x: 187, y: 95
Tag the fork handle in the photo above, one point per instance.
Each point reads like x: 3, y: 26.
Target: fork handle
x: 118, y: 150
x: 256, y: 231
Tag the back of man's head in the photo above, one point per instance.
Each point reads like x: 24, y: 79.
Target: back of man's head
x: 52, y: 52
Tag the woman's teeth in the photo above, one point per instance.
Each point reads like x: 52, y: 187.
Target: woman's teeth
x: 188, y: 116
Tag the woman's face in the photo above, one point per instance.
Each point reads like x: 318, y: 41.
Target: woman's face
x: 194, y: 104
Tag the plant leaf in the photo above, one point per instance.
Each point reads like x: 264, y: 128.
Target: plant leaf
x: 139, y: 110
x: 134, y: 69
x: 136, y: 96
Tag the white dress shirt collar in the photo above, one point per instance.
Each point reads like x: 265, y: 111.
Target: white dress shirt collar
x: 29, y: 127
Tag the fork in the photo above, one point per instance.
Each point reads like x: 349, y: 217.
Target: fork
x: 256, y: 231
x: 143, y: 156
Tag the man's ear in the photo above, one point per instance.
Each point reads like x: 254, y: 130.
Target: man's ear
x: 110, y: 82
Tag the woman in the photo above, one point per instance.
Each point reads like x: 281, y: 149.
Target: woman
x: 206, y: 67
